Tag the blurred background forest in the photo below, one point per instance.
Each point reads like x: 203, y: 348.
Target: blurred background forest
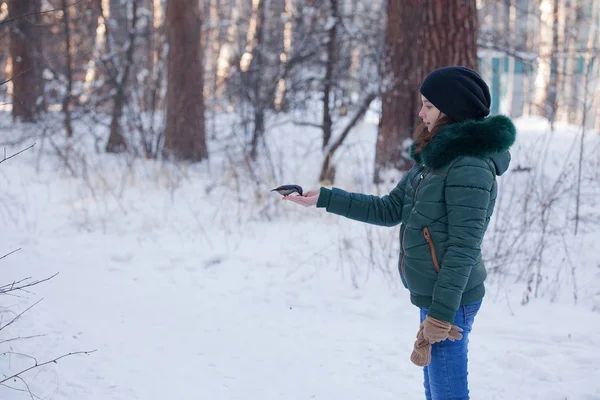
x: 158, y: 73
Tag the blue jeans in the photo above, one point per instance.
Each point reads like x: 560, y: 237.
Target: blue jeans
x: 446, y: 375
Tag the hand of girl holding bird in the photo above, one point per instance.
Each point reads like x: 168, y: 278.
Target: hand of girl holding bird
x: 307, y: 199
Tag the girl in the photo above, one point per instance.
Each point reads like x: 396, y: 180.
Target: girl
x: 444, y: 204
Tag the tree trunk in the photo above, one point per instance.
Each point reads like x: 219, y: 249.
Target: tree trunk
x: 556, y: 76
x: 66, y: 105
x: 267, y: 45
x: 98, y: 46
x: 116, y: 140
x: 591, y: 103
x: 568, y: 107
x: 420, y: 37
x: 211, y: 45
x: 118, y: 22
x: 255, y: 72
x: 531, y: 37
x: 276, y: 11
x: 547, y: 77
x: 25, y: 52
x: 328, y: 81
x: 280, y: 103
x: 327, y: 174
x: 509, y: 25
x: 184, y: 134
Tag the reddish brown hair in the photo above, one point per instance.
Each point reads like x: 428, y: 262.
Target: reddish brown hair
x: 422, y: 135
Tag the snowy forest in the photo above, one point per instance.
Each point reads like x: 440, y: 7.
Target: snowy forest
x: 144, y: 256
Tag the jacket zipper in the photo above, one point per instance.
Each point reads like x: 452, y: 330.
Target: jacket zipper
x: 431, y: 248
x: 417, y: 188
x: 404, y: 233
x: 403, y: 254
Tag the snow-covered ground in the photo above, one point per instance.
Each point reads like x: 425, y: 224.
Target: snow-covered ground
x: 197, y: 283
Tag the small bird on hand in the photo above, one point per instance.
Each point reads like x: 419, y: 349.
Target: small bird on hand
x: 286, y: 190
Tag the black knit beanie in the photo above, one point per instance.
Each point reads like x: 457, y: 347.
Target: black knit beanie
x: 458, y: 92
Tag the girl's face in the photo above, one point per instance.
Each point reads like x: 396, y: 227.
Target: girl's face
x: 428, y: 113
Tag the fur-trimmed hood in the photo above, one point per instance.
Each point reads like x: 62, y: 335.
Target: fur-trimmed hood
x: 490, y: 137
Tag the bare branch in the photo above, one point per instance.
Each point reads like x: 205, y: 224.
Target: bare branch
x: 4, y: 289
x: 12, y: 252
x: 359, y: 114
x: 33, y: 396
x: 21, y: 390
x: 45, y: 61
x: 19, y: 315
x: 20, y: 354
x: 41, y: 13
x: 16, y: 154
x: 21, y: 338
x: 42, y: 364
x: 298, y: 123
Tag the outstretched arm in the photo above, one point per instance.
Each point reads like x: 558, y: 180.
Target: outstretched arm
x: 384, y: 211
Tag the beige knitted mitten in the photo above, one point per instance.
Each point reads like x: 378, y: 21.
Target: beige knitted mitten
x: 421, y: 354
x: 432, y: 331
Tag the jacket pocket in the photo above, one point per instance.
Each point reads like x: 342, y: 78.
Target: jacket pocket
x: 427, y: 235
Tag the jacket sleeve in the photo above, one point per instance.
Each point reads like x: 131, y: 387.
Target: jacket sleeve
x: 383, y: 211
x: 467, y: 192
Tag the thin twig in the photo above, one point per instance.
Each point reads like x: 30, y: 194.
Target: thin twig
x: 16, y: 154
x: 24, y: 71
x: 19, y: 389
x: 12, y: 252
x: 41, y: 12
x: 19, y: 315
x: 20, y: 354
x: 44, y: 363
x: 20, y: 338
x: 304, y: 123
x: 33, y: 396
x: 13, y: 286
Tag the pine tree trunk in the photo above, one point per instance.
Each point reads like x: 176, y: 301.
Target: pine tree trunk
x: 26, y: 54
x: 184, y: 134
x: 420, y: 37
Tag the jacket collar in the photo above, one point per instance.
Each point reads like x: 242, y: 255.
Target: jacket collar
x: 488, y: 137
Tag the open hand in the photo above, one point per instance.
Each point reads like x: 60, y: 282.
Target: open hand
x: 308, y: 199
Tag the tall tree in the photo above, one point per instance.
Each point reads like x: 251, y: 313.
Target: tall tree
x: 420, y: 37
x: 184, y: 132
x: 117, y: 16
x: 66, y: 105
x: 547, y: 78
x: 255, y: 73
x: 25, y: 52
x: 120, y: 76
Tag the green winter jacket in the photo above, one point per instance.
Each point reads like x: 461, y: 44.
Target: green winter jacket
x: 444, y: 203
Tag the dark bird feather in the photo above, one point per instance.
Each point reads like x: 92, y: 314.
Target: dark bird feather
x: 286, y: 190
